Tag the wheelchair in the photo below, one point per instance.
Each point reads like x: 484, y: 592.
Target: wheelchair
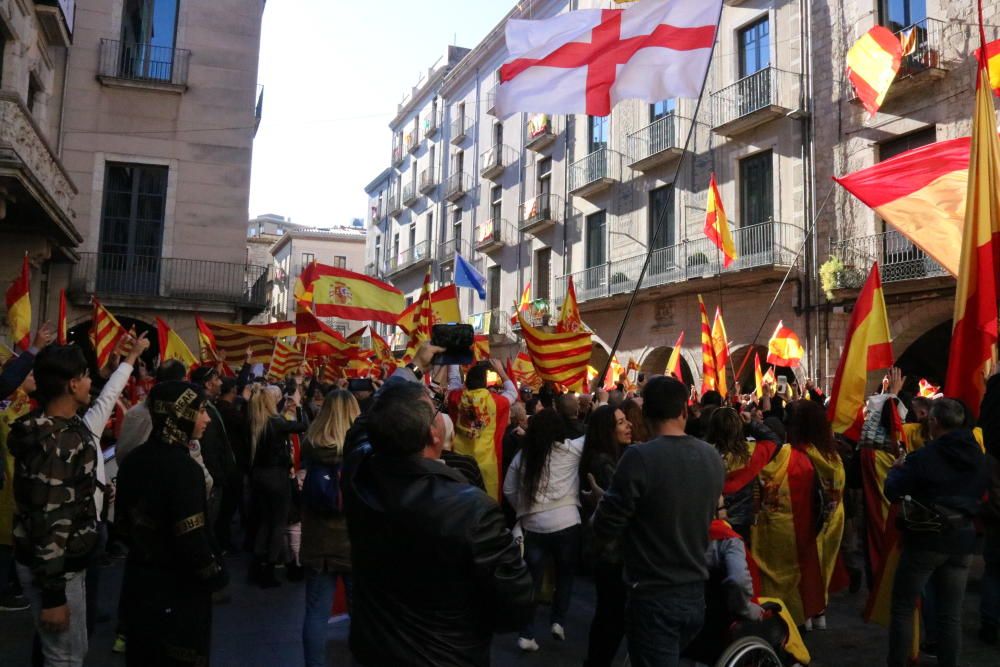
x: 746, y: 651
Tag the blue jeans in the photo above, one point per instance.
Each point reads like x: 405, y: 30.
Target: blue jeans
x: 660, y: 624
x: 949, y: 574
x: 67, y: 648
x: 320, y: 589
x: 564, y: 548
x: 989, y: 603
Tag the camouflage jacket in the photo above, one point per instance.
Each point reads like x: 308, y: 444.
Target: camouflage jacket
x: 55, y: 478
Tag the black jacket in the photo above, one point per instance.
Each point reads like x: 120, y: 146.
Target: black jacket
x: 951, y: 471
x: 274, y: 449
x: 237, y: 428
x: 435, y: 570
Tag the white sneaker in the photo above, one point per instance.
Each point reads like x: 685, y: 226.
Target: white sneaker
x: 809, y: 625
x: 819, y: 622
x: 558, y: 632
x: 527, y: 645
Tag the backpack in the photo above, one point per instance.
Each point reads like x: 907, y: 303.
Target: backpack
x: 321, y: 489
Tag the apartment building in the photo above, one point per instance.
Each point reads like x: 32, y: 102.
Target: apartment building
x: 37, y: 212
x: 160, y: 110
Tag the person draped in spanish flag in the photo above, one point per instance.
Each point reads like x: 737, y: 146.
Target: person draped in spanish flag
x: 481, y: 417
x: 796, y: 540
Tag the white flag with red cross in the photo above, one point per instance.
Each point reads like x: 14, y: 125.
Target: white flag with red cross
x: 589, y: 60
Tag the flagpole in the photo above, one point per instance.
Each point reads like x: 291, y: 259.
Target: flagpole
x: 661, y: 218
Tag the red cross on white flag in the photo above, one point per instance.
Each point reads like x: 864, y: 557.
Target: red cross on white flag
x: 589, y: 60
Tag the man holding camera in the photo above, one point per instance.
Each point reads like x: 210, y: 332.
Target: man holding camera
x: 481, y: 417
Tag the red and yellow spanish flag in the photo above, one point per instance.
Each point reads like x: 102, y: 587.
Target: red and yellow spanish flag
x: 758, y: 377
x: 674, y: 361
x: 559, y: 357
x: 173, y: 346
x: 992, y: 65
x: 716, y: 224
x: 480, y: 347
x: 444, y: 304
x: 105, y: 333
x: 569, y: 315
x: 784, y: 348
x: 720, y: 348
x: 867, y: 347
x: 334, y: 292
x: 286, y: 358
x: 206, y: 342
x: 974, y: 333
x: 63, y: 330
x: 19, y: 307
x: 709, y: 379
x: 872, y: 64
x: 232, y: 340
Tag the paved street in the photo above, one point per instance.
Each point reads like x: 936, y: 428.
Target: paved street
x: 262, y: 629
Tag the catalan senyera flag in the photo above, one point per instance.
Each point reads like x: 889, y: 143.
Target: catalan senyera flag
x: 173, y: 346
x: 569, y: 315
x: 784, y: 348
x: 105, y: 333
x: 207, y: 352
x: 716, y: 224
x: 334, y: 292
x: 867, y: 347
x: 992, y: 51
x: 709, y: 378
x: 423, y: 319
x: 19, y: 307
x: 287, y: 358
x: 524, y: 373
x: 444, y: 304
x: 720, y: 348
x: 232, y: 340
x: 559, y: 357
x: 674, y: 361
x: 872, y: 64
x: 758, y: 377
x: 974, y: 332
x: 62, y: 329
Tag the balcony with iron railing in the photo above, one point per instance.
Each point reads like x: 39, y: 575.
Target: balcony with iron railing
x: 925, y: 58
x: 460, y: 129
x: 111, y: 275
x: 539, y: 213
x: 411, y: 141
x: 410, y: 194
x: 457, y: 185
x: 376, y: 211
x: 393, y: 204
x: 432, y: 122
x: 493, y: 234
x: 448, y: 249
x: 756, y: 99
x: 659, y: 143
x: 537, y: 314
x: 495, y: 160
x: 412, y: 258
x: 494, y: 323
x: 897, y: 257
x: 397, y: 154
x: 768, y: 244
x: 428, y: 180
x: 595, y: 173
x: 145, y: 65
x: 540, y: 132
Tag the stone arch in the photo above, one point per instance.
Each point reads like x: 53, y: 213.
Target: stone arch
x: 655, y: 362
x: 747, y: 382
x: 926, y: 357
x: 916, y: 320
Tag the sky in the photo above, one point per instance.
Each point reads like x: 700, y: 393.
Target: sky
x: 334, y: 72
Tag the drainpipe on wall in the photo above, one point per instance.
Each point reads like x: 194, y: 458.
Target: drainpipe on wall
x: 62, y: 104
x: 813, y: 313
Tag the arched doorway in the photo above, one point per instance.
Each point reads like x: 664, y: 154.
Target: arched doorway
x: 743, y: 363
x: 655, y: 363
x: 80, y: 335
x: 926, y: 357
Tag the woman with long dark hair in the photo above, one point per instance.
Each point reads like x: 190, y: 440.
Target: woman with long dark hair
x: 543, y: 486
x: 797, y: 536
x: 632, y: 410
x: 609, y: 432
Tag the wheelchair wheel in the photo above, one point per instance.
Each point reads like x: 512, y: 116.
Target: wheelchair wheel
x: 749, y: 652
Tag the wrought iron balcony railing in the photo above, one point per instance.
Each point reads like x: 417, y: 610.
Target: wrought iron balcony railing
x: 769, y: 89
x: 457, y: 185
x: 495, y: 160
x: 121, y: 275
x: 460, y: 127
x: 540, y: 131
x: 428, y: 180
x: 493, y: 234
x: 448, y: 249
x: 595, y: 171
x: 897, y: 257
x: 925, y: 43
x: 410, y: 257
x: 495, y: 322
x: 657, y: 142
x: 410, y: 194
x: 539, y: 212
x: 131, y: 61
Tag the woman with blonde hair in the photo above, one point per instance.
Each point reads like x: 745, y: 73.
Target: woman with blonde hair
x: 270, y: 475
x: 326, y: 548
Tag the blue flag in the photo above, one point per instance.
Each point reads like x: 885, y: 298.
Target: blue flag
x: 467, y: 276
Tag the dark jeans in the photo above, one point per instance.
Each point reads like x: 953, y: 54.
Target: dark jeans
x: 608, y: 627
x: 564, y: 548
x: 320, y: 590
x: 989, y: 604
x: 949, y: 573
x: 9, y: 582
x: 660, y: 623
x: 232, y: 497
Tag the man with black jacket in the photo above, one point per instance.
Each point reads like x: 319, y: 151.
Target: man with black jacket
x: 217, y: 452
x: 435, y: 570
x: 943, y: 483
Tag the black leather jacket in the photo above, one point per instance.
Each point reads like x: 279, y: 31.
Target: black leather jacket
x: 274, y: 449
x: 435, y: 569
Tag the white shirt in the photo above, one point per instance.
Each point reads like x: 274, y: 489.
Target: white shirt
x: 556, y: 503
x: 96, y: 418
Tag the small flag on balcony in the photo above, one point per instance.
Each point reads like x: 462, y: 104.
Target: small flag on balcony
x: 674, y: 361
x: 63, y: 331
x: 467, y: 276
x: 908, y: 42
x: 105, y: 333
x: 784, y: 348
x: 872, y: 64
x: 867, y: 347
x: 709, y: 377
x: 716, y: 224
x: 19, y: 307
x: 232, y: 340
x: 569, y: 315
x: 992, y: 51
x: 333, y: 292
x: 444, y: 304
x: 559, y: 357
x: 720, y: 347
x: 173, y: 346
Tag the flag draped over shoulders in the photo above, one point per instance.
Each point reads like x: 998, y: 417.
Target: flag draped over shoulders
x: 481, y: 418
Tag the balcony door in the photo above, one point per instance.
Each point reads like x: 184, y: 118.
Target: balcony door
x: 661, y: 212
x: 493, y: 287
x: 898, y: 14
x: 756, y: 203
x: 596, y: 251
x: 149, y: 29
x: 543, y: 273
x: 754, y: 92
x: 132, y: 228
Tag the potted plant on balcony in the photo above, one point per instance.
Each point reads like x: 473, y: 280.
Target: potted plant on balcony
x: 834, y: 274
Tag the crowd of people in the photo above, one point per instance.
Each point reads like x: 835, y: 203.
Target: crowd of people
x: 451, y: 510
